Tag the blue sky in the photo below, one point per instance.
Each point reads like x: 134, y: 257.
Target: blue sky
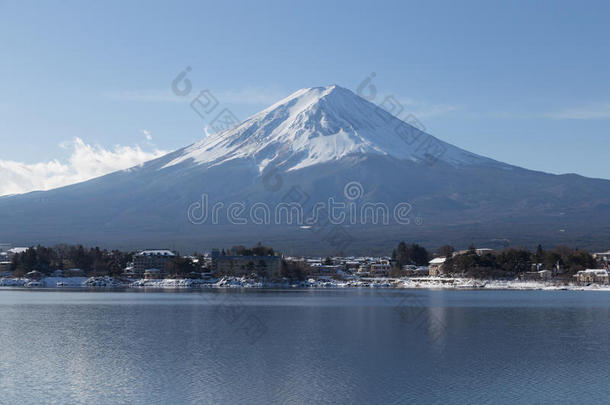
x: 522, y: 82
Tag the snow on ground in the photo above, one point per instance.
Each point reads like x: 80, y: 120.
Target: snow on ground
x: 243, y: 282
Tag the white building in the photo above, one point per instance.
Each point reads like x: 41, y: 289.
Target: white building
x: 151, y: 259
x: 436, y: 266
x: 380, y: 269
x: 598, y: 276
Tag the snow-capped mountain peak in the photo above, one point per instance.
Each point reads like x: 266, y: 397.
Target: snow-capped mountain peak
x: 317, y: 125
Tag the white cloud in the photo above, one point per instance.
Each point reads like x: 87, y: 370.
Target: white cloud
x: 85, y: 162
x: 590, y: 112
x: 146, y: 134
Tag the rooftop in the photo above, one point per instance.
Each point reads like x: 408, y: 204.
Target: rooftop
x: 158, y: 252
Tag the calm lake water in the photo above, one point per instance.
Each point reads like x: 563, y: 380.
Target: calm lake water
x: 304, y: 346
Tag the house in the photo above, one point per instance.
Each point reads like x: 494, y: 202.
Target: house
x: 411, y: 270
x: 5, y: 266
x: 325, y: 270
x: 364, y: 270
x: 352, y: 265
x: 589, y: 276
x: 267, y: 266
x: 479, y: 251
x: 16, y: 250
x: 129, y: 272
x: 34, y: 275
x: 545, y: 274
x: 542, y: 275
x: 74, y: 273
x: 152, y: 274
x: 436, y: 266
x: 151, y: 259
x: 380, y: 269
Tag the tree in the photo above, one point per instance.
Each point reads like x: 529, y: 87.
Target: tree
x: 418, y: 255
x: 260, y: 250
x: 411, y: 254
x: 402, y: 256
x: 294, y: 270
x: 539, y: 255
x: 446, y: 251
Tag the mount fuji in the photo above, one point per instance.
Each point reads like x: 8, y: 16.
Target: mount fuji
x: 313, y: 146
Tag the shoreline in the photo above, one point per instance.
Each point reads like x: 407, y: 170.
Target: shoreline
x: 429, y: 283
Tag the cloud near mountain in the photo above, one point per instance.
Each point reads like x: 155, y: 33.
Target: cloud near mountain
x: 86, y: 161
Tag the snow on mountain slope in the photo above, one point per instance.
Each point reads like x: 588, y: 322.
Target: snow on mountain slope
x: 322, y: 124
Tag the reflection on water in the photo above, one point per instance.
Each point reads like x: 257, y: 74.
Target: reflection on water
x: 304, y: 346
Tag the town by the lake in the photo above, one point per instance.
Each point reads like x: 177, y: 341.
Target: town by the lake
x: 407, y: 266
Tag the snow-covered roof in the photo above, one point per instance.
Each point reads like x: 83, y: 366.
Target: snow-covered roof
x: 597, y: 272
x: 159, y: 252
x: 18, y: 250
x: 438, y: 260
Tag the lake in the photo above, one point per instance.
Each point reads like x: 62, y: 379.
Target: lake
x: 353, y: 346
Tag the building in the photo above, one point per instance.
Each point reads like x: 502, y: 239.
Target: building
x: 479, y: 251
x: 364, y: 270
x: 542, y: 275
x: 152, y: 274
x: 325, y: 270
x: 436, y: 266
x: 410, y: 270
x: 589, y: 276
x: 380, y: 269
x: 151, y: 259
x: 74, y: 273
x: 5, y: 267
x: 16, y: 250
x: 34, y: 275
x: 604, y: 256
x: 267, y: 266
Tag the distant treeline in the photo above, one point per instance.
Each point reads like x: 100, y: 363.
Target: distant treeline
x: 240, y: 250
x: 563, y: 261
x: 506, y: 263
x: 92, y: 261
